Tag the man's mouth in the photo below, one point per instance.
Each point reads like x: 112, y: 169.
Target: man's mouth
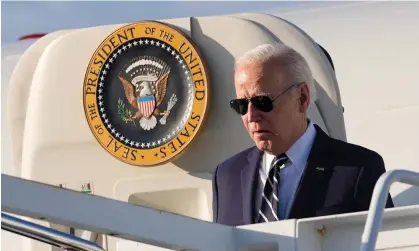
x: 259, y: 133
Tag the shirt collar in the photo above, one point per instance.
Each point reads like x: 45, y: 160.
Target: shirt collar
x: 299, y: 151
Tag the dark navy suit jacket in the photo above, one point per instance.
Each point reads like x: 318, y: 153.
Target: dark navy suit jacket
x: 339, y: 178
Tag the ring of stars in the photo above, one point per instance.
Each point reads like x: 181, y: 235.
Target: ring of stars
x: 102, y: 110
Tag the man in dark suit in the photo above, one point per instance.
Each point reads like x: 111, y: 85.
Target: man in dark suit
x: 295, y: 170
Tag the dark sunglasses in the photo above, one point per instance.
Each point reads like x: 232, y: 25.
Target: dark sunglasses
x: 262, y: 103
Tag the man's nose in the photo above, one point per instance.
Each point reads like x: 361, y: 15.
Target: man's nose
x: 253, y: 114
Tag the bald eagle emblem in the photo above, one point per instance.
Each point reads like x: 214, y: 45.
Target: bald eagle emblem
x: 145, y: 85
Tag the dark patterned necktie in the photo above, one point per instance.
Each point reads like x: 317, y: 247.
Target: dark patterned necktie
x: 269, y: 208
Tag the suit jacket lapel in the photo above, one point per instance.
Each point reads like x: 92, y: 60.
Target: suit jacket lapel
x: 314, y: 180
x: 248, y: 184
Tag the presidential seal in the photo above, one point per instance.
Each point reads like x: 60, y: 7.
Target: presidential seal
x: 146, y: 93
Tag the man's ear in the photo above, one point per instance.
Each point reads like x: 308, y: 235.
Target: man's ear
x: 304, y: 98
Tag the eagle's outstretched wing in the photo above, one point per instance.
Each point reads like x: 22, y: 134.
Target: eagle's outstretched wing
x: 161, y: 86
x: 129, y: 92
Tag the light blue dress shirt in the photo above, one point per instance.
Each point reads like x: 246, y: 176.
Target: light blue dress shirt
x: 291, y: 172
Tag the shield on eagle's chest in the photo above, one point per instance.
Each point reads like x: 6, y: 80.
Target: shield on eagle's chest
x: 146, y: 105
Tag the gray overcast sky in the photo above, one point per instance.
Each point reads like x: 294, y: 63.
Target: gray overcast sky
x: 22, y: 18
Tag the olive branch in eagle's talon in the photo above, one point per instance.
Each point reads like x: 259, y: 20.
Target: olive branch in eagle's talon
x: 125, y: 113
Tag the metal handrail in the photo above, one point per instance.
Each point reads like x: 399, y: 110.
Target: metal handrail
x: 112, y: 217
x: 46, y: 235
x: 378, y: 202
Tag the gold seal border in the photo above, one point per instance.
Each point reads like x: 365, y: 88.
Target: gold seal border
x: 175, y: 38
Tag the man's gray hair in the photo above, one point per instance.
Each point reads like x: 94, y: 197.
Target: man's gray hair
x: 295, y: 63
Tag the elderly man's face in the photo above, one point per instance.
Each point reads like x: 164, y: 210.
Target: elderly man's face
x: 273, y: 131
